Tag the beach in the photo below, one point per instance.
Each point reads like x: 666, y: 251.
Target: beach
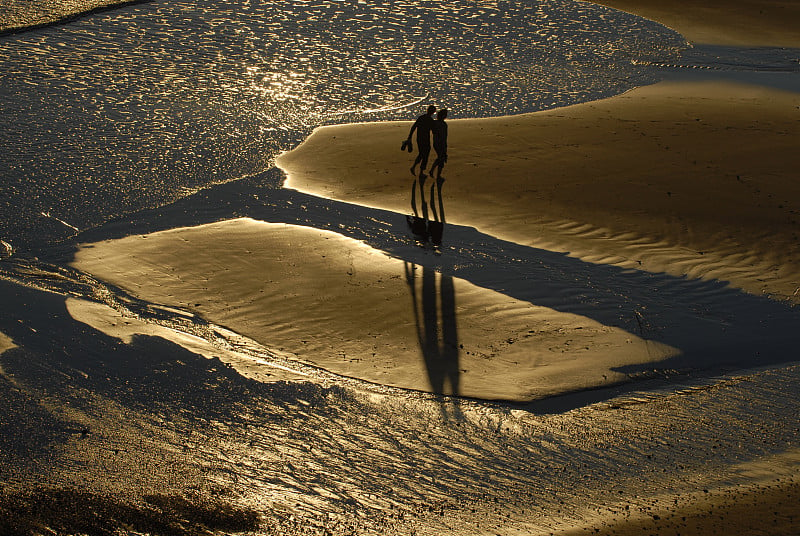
x: 655, y: 179
x: 594, y: 332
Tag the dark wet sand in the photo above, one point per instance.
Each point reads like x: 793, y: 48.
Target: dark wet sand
x: 770, y: 508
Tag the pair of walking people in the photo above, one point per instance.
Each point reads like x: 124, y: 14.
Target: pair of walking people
x: 425, y: 125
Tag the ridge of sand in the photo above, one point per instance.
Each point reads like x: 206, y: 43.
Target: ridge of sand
x: 721, y: 22
x: 687, y: 178
x: 364, y: 314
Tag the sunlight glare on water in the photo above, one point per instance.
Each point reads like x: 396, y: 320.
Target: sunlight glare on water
x: 131, y: 108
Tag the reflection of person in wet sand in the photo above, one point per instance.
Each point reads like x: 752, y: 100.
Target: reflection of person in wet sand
x: 423, y: 126
x: 436, y: 225
x: 418, y: 224
x: 439, y: 130
x: 423, y: 227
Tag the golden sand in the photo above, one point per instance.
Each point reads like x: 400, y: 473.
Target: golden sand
x: 694, y: 179
x: 691, y: 178
x: 721, y: 22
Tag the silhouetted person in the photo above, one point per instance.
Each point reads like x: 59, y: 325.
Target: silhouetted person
x: 439, y: 130
x: 423, y: 126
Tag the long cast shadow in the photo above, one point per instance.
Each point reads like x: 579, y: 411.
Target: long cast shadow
x: 436, y: 327
x: 435, y: 310
x: 714, y: 325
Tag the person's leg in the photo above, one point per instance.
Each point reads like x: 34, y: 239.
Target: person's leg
x: 424, y: 151
x: 416, y: 161
x: 440, y: 161
x: 435, y: 162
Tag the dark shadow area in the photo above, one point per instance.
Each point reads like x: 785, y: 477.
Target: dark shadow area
x: 70, y: 511
x: 58, y: 361
x: 437, y: 330
x: 27, y: 429
x: 716, y: 327
x: 59, y: 356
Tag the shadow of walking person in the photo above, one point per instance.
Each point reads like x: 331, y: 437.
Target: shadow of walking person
x: 434, y: 305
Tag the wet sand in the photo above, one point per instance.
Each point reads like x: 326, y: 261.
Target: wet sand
x: 19, y: 16
x: 683, y: 179
x: 768, y: 508
x: 758, y: 508
x: 332, y: 302
x: 764, y: 501
x: 687, y: 178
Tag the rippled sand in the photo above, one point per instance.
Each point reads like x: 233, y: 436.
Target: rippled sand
x: 688, y: 178
x: 135, y: 397
x: 147, y: 416
x: 748, y: 24
x: 397, y: 320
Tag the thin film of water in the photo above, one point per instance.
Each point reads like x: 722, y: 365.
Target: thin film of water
x: 136, y: 107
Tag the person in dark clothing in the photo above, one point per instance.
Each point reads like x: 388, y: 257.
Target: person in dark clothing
x: 439, y: 130
x: 423, y: 126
